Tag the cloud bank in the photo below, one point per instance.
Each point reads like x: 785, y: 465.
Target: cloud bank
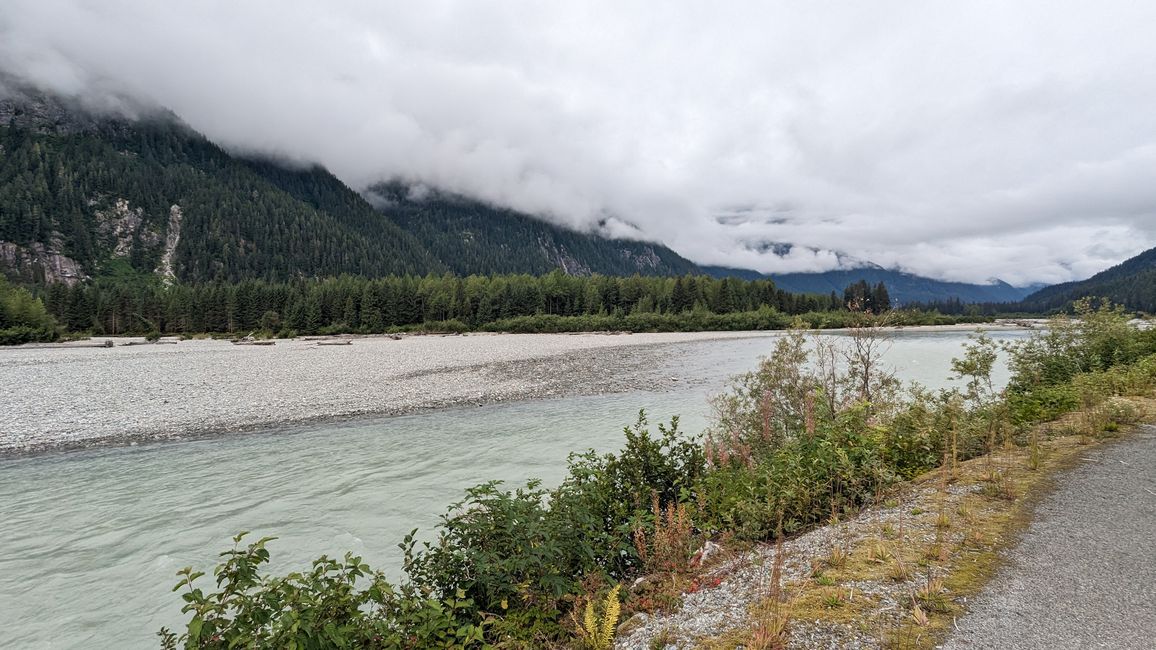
x: 963, y: 141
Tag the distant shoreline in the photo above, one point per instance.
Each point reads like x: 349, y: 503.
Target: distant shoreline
x: 117, y: 341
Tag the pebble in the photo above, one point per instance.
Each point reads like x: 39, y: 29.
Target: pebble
x: 74, y: 397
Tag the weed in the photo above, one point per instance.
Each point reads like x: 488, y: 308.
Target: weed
x: 878, y: 552
x: 833, y: 598
x: 667, y: 548
x: 836, y: 557
x: 999, y: 486
x: 936, y: 552
x: 898, y: 570
x: 597, y: 632
x: 943, y: 522
x: 771, y: 629
x: 975, y: 539
x: 663, y: 639
x: 932, y: 596
x: 919, y: 616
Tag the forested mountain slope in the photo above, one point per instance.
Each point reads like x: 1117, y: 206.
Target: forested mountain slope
x: 1131, y: 283
x: 87, y: 195
x: 472, y: 237
x: 81, y: 197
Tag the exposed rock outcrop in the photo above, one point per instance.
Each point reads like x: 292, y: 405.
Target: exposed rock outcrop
x: 41, y: 263
x: 643, y: 260
x: 172, y: 238
x: 123, y: 225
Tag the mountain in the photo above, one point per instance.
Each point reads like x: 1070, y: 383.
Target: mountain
x: 87, y: 193
x: 84, y: 195
x: 475, y: 238
x: 1131, y: 283
x: 904, y: 288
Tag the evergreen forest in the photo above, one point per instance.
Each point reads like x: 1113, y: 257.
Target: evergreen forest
x: 552, y: 302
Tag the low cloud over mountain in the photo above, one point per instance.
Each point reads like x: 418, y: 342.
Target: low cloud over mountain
x: 963, y: 141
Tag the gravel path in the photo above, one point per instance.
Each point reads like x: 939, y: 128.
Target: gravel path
x: 59, y: 398
x: 1084, y: 574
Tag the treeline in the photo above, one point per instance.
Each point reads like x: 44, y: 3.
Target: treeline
x: 864, y: 297
x: 355, y: 304
x: 555, y: 302
x: 957, y: 307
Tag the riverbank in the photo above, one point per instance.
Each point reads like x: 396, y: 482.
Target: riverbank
x: 82, y: 396
x: 906, y: 573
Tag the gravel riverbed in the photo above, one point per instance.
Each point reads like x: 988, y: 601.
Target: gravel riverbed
x: 74, y: 397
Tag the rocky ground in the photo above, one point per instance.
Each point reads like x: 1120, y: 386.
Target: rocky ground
x: 70, y: 397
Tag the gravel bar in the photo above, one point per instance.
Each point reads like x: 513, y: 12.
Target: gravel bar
x: 74, y: 397
x: 1084, y: 574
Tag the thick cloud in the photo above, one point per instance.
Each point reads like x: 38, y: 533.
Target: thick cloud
x: 961, y: 140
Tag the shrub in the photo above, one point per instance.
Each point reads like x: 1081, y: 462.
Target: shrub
x: 321, y: 608
x: 605, y: 498
x: 502, y: 550
x: 24, y: 334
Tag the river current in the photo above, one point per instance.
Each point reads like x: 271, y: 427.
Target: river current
x: 90, y: 540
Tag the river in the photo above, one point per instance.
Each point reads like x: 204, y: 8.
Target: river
x: 92, y: 539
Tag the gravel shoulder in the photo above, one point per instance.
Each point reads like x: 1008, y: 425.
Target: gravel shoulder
x: 74, y: 397
x: 1084, y: 572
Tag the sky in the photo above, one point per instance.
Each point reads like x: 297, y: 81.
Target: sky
x: 958, y: 140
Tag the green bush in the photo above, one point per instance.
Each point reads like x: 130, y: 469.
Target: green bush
x: 605, y: 498
x: 322, y: 608
x: 802, y: 482
x: 503, y: 550
x: 23, y: 318
x: 25, y: 334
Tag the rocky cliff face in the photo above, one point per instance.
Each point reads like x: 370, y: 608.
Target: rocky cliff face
x: 645, y: 260
x: 39, y: 263
x: 125, y: 227
x: 172, y: 238
x: 559, y: 257
x: 26, y: 107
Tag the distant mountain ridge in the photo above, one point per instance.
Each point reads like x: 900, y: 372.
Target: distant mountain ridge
x: 904, y: 288
x: 1131, y: 283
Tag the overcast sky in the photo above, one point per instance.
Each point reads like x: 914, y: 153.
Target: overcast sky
x: 960, y: 140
